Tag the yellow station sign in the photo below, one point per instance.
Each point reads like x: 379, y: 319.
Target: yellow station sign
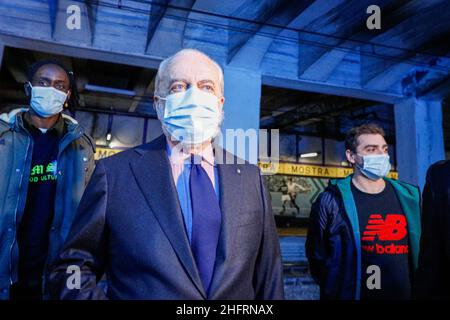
x: 309, y: 170
x: 103, y: 152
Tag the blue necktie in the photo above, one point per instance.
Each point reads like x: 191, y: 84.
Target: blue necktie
x: 206, y: 221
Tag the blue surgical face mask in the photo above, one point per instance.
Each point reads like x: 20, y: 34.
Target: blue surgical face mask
x: 47, y: 101
x: 375, y: 166
x: 192, y: 116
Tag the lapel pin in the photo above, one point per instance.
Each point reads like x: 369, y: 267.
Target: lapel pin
x: 238, y: 171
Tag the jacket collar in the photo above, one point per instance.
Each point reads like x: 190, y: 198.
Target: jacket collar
x: 73, y: 130
x: 15, y: 119
x: 59, y: 127
x: 409, y: 198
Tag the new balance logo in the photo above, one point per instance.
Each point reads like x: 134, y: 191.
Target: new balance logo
x: 392, y: 228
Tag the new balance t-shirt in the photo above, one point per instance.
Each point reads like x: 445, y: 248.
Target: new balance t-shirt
x: 384, y: 245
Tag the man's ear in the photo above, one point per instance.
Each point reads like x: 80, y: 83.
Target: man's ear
x: 68, y: 94
x: 156, y: 106
x: 350, y: 157
x: 27, y: 88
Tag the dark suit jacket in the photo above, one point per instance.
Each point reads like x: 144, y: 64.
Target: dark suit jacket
x: 130, y: 226
x: 433, y: 275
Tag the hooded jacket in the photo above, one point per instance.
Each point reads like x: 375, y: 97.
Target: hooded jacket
x: 75, y: 166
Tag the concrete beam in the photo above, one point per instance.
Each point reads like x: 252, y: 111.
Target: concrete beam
x: 52, y: 12
x: 252, y: 52
x: 156, y: 13
x: 167, y: 37
x: 249, y: 18
x: 440, y: 91
x: 419, y: 138
x: 140, y: 60
x: 19, y: 74
x: 393, y: 13
x: 144, y: 87
x: 327, y: 88
x: 414, y: 74
x: 304, y: 114
x: 386, y: 52
x: 58, y: 19
x: 328, y: 31
x: 92, y: 17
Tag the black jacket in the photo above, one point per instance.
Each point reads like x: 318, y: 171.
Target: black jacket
x: 333, y: 244
x: 330, y: 247
x: 433, y: 275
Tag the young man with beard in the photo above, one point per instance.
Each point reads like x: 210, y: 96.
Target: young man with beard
x: 363, y: 238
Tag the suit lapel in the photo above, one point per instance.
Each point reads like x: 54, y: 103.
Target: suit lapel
x: 154, y: 177
x: 230, y: 186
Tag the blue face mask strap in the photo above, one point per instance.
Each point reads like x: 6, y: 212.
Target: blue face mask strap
x: 28, y: 88
x: 160, y: 98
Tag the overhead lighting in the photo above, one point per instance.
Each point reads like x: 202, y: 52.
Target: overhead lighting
x: 109, y: 129
x: 93, y: 87
x: 309, y: 155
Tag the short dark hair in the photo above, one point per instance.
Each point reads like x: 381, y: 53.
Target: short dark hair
x: 73, y: 100
x: 38, y: 64
x: 351, y: 139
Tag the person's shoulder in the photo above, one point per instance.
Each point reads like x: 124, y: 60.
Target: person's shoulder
x: 329, y: 195
x: 438, y: 173
x: 405, y: 188
x: 440, y: 167
x: 4, y: 125
x: 88, y: 142
x: 401, y: 183
x: 123, y: 157
x: 8, y: 119
x: 328, y: 204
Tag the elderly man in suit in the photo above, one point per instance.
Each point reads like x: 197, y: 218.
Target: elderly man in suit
x: 172, y: 219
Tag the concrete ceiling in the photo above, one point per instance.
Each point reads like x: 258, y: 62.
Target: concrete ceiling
x: 316, y: 45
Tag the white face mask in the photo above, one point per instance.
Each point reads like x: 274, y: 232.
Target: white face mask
x: 192, y: 116
x: 47, y: 101
x: 375, y: 166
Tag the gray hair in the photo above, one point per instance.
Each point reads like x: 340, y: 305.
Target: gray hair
x: 166, y: 63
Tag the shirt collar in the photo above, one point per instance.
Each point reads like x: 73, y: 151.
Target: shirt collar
x: 177, y: 156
